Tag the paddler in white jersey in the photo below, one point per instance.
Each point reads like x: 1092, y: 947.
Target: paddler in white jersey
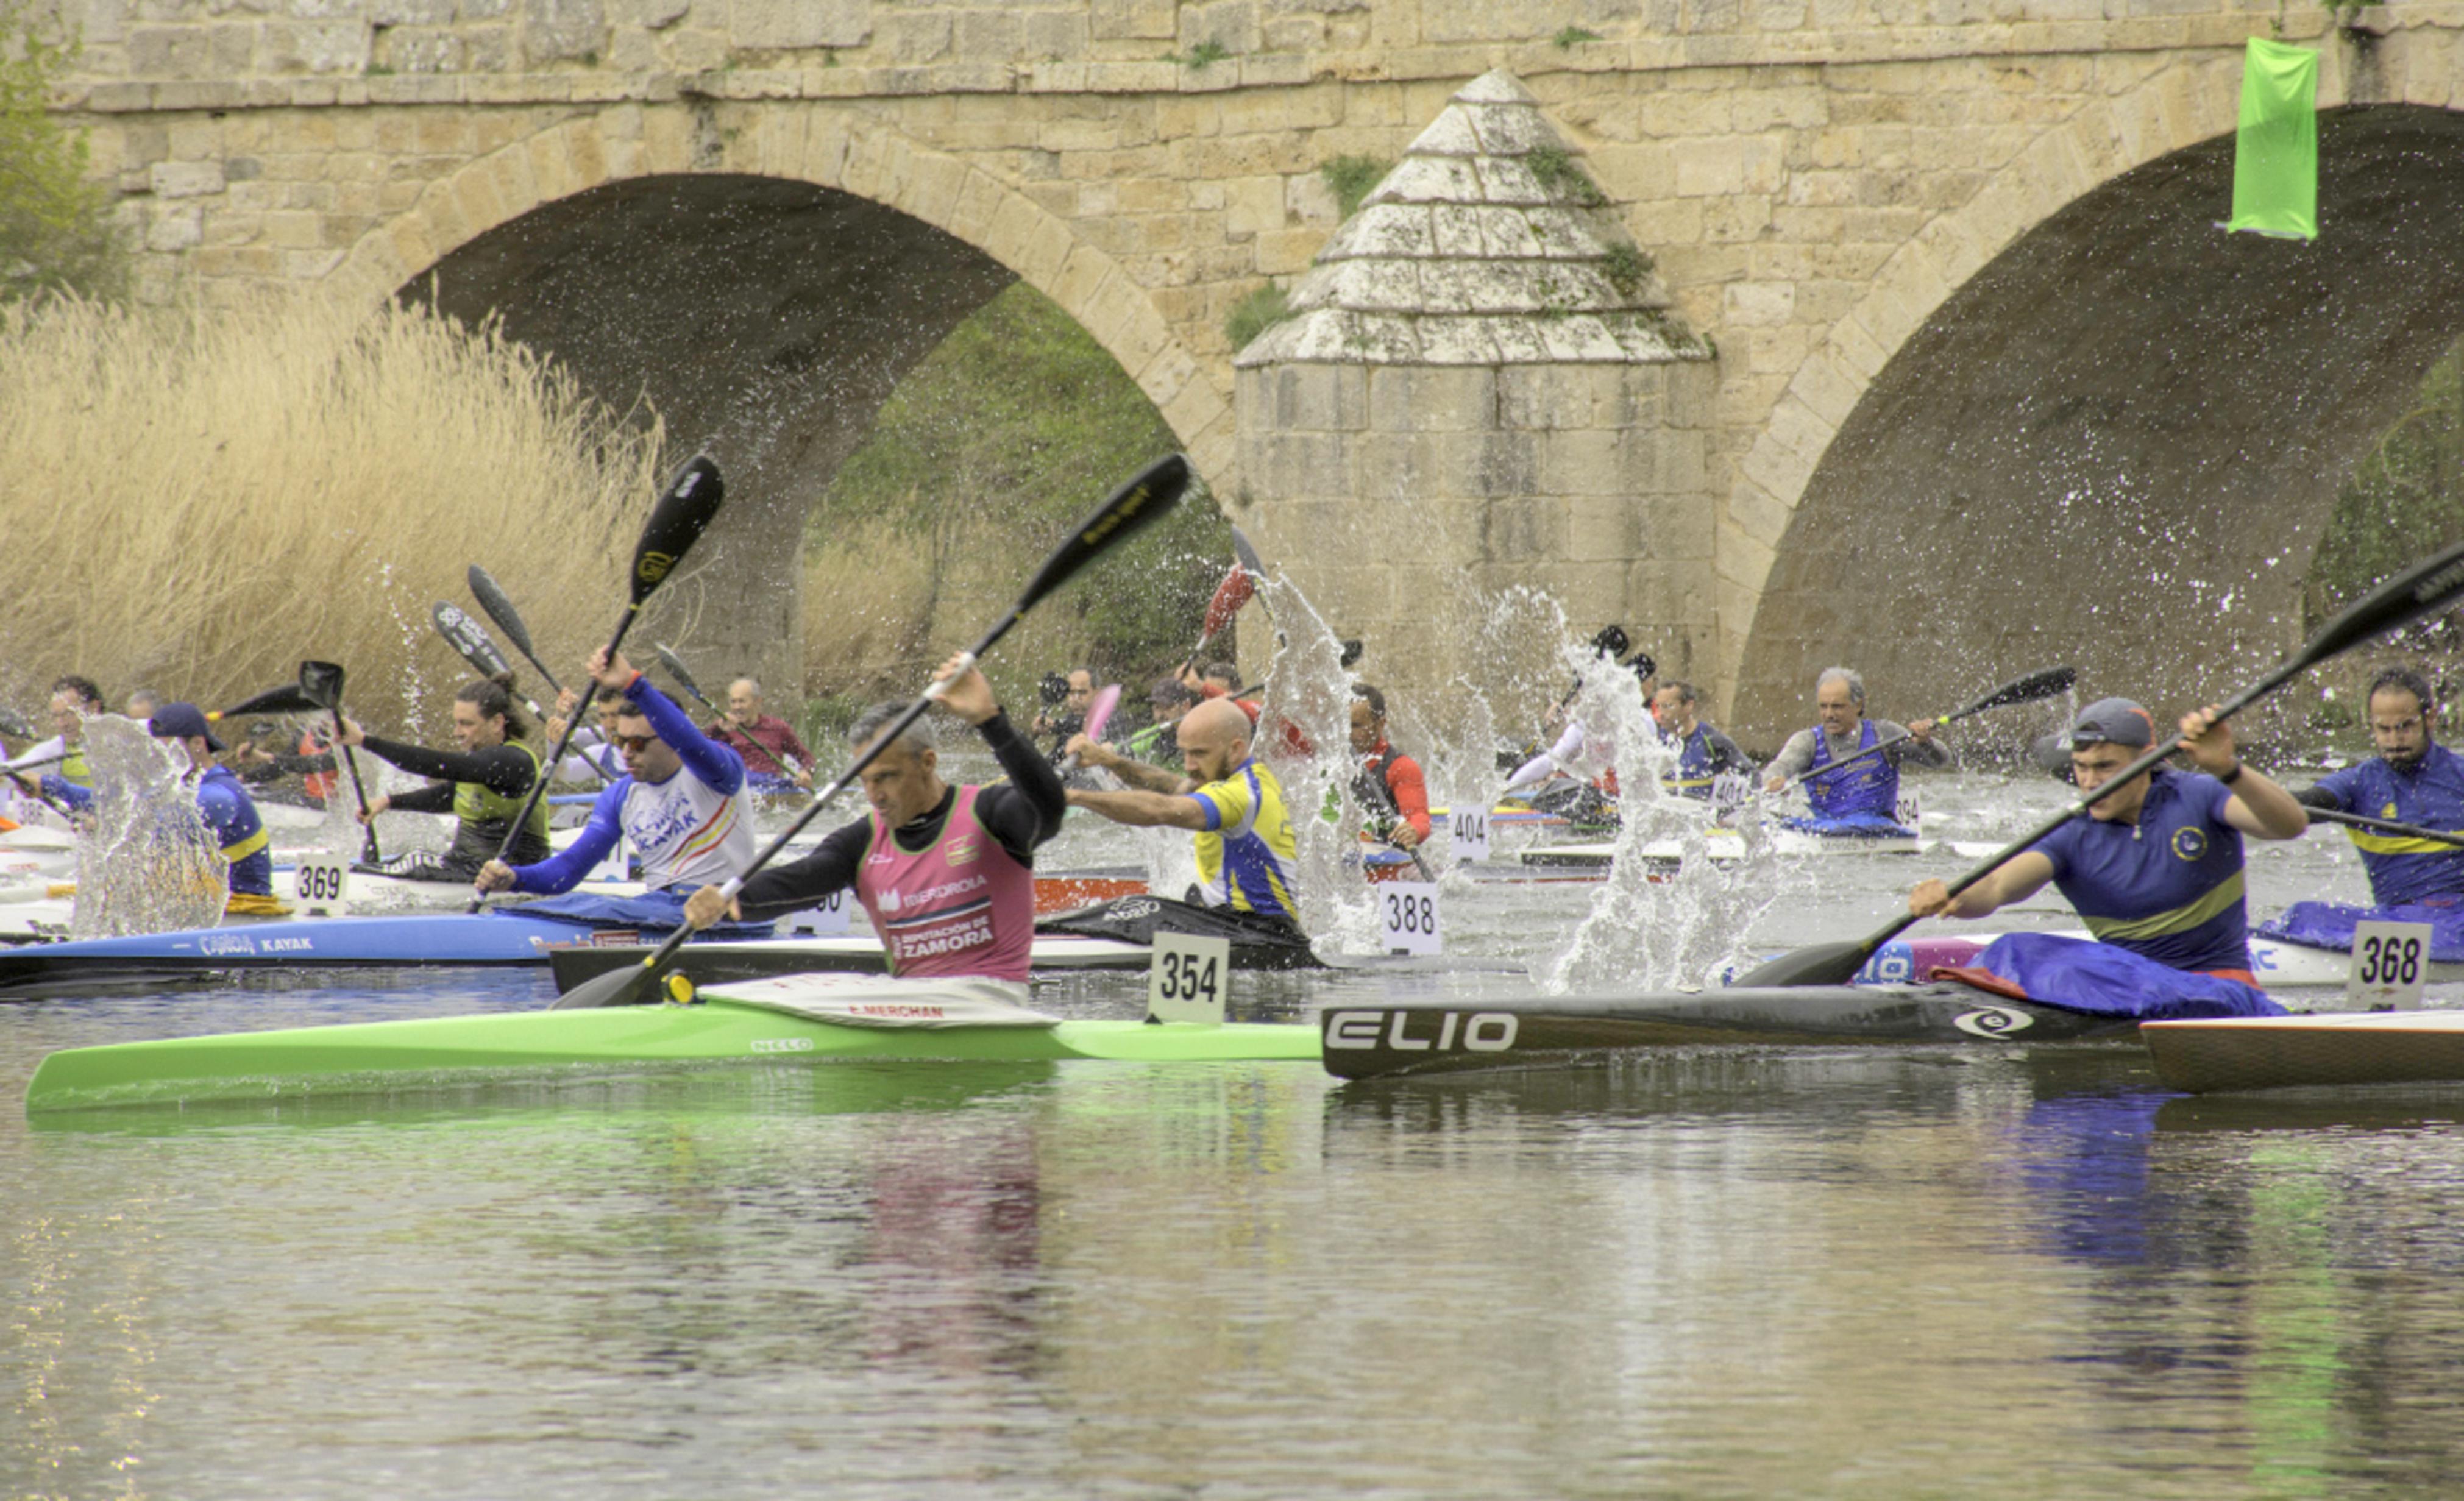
x: 947, y: 872
x: 682, y: 805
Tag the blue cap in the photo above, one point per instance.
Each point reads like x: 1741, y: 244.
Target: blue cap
x: 178, y: 721
x: 2114, y: 721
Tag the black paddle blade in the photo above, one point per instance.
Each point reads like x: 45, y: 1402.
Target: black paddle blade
x: 1610, y: 642
x: 2043, y: 683
x: 285, y: 699
x: 470, y: 638
x: 2426, y: 588
x: 321, y: 683
x: 1821, y: 964
x: 1157, y: 490
x: 500, y: 610
x: 675, y: 667
x: 684, y: 511
x: 634, y: 984
x: 13, y: 725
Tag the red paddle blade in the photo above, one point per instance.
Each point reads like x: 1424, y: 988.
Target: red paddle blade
x: 1238, y: 588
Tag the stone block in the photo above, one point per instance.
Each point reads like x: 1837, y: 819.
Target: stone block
x: 1124, y: 20
x: 185, y: 178
x: 1759, y: 304
x: 556, y: 29
x: 1581, y: 461
x: 791, y: 24
x: 175, y: 227
x: 168, y: 52
x: 410, y: 12
x: 1232, y: 25
x: 1325, y: 398
x: 1424, y: 399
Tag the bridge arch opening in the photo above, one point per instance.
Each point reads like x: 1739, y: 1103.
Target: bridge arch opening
x: 2122, y: 442
x: 769, y: 321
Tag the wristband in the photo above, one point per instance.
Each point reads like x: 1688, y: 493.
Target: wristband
x: 2233, y: 776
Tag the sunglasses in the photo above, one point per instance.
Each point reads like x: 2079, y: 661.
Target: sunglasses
x: 634, y: 744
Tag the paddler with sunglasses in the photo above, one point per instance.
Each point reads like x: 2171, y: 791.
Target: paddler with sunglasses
x: 682, y: 805
x: 947, y: 872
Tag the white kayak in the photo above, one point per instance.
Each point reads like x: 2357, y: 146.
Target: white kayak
x: 1722, y: 843
x: 2325, y: 1048
x: 31, y: 853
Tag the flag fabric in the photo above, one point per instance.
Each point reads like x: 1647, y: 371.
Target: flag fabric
x: 2276, y: 151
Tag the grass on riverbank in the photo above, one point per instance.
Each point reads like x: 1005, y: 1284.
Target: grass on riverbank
x: 195, y: 500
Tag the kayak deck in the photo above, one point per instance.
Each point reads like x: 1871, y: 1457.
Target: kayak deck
x: 381, y: 1057
x: 2345, y: 1047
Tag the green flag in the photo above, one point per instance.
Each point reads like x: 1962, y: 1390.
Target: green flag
x: 2276, y: 152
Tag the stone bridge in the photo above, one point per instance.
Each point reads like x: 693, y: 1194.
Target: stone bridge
x: 1892, y: 332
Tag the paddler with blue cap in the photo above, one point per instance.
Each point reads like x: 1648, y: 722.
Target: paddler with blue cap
x: 2156, y: 867
x: 230, y: 815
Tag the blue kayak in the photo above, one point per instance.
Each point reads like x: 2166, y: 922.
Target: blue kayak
x: 428, y: 939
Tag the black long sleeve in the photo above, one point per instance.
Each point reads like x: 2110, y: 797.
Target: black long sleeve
x: 503, y: 770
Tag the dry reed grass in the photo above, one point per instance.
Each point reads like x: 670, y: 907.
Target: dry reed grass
x: 195, y: 500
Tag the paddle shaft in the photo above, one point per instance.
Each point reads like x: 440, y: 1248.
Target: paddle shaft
x: 2146, y: 761
x: 359, y: 789
x: 2381, y: 825
x: 36, y: 787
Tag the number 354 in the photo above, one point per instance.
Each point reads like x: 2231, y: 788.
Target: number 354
x: 1187, y: 978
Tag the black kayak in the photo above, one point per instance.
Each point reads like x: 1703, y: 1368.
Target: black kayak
x: 1381, y: 1040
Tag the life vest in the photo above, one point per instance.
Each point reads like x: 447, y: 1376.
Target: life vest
x: 318, y: 785
x: 74, y: 768
x: 485, y: 815
x: 1871, y: 785
x: 961, y: 906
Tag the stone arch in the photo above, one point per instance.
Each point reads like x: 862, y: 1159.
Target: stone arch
x: 1947, y: 302
x: 766, y: 275
x: 828, y: 146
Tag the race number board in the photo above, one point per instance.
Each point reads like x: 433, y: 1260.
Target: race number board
x: 1908, y: 812
x: 322, y: 882
x: 1187, y: 978
x: 1729, y: 794
x: 1407, y: 916
x: 2390, y: 961
x: 1467, y: 834
x: 827, y: 919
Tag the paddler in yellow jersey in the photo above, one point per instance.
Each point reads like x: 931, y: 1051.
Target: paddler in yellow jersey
x: 1248, y: 858
x: 483, y: 786
x: 73, y: 699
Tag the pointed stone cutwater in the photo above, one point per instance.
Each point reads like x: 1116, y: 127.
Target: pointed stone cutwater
x: 1486, y: 245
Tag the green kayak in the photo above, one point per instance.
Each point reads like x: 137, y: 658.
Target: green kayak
x: 761, y: 1021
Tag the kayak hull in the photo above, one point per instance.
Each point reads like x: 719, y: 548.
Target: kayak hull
x: 487, y: 940
x: 2323, y: 1049
x: 713, y: 963
x: 384, y: 1056
x: 1377, y: 1040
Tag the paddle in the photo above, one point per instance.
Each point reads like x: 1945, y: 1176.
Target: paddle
x: 1099, y: 713
x: 321, y: 683
x: 684, y: 511
x: 1239, y: 587
x: 35, y: 789
x: 2424, y: 589
x: 675, y: 667
x: 1135, y: 504
x: 2043, y: 683
x: 15, y: 726
x: 287, y: 698
x: 471, y: 639
x: 509, y: 620
x: 2381, y: 825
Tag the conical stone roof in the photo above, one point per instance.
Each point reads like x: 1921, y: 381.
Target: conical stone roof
x: 1487, y: 244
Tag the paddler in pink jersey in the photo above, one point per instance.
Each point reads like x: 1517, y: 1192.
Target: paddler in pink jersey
x: 948, y: 874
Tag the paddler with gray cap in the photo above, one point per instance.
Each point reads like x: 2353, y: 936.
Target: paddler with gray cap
x: 2156, y: 867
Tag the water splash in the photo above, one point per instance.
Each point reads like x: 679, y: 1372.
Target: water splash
x: 147, y: 863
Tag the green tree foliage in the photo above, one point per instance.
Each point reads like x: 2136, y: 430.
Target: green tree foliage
x: 2405, y: 498
x: 996, y: 443
x: 55, y: 225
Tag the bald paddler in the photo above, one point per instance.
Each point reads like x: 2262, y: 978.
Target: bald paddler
x: 483, y: 782
x: 948, y: 872
x: 1867, y: 787
x: 2156, y: 867
x: 1247, y: 854
x: 2412, y: 780
x: 230, y: 814
x: 681, y: 804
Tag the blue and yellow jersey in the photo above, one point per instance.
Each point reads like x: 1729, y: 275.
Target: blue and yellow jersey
x: 1247, y: 855
x: 2429, y: 795
x: 230, y: 815
x: 2169, y: 887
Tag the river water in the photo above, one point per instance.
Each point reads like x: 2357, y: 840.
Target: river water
x: 1881, y: 1273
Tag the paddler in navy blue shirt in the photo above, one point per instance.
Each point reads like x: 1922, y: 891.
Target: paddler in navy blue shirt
x: 2412, y: 780
x: 2156, y: 867
x: 230, y: 814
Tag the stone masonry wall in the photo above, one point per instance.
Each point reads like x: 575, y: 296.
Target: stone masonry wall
x: 1812, y: 177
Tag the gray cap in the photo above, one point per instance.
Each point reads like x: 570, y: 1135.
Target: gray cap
x: 2114, y: 721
